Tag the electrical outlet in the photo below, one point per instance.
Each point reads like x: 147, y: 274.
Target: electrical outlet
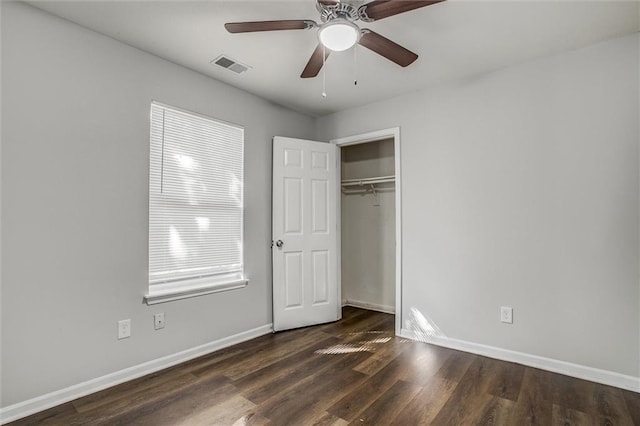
x: 158, y: 321
x: 124, y: 329
x: 506, y: 314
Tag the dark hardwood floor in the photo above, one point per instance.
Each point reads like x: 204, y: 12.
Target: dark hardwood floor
x: 350, y: 372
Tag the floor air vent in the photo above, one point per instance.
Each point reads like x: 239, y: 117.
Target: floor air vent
x: 230, y: 64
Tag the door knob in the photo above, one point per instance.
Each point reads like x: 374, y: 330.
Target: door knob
x: 279, y: 243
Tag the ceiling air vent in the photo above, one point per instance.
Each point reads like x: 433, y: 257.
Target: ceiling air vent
x: 230, y: 64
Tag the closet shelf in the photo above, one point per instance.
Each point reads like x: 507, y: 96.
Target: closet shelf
x: 367, y: 181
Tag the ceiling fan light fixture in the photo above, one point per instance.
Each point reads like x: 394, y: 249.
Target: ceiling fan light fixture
x: 339, y: 35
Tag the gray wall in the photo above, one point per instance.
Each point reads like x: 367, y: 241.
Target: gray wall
x: 75, y: 143
x: 520, y: 188
x: 368, y: 230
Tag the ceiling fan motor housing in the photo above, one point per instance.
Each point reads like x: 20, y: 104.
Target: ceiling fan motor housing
x: 329, y: 12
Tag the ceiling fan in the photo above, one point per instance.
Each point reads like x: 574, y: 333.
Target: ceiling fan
x: 338, y: 31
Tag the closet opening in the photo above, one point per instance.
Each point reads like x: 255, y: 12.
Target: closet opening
x: 369, y: 216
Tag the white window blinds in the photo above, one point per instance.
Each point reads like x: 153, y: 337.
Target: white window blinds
x: 195, y: 196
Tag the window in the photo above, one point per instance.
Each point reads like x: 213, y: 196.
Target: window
x: 195, y: 205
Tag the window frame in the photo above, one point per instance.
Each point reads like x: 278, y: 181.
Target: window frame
x: 182, y: 288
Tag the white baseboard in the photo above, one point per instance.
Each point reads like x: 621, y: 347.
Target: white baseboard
x: 370, y: 306
x: 569, y: 369
x: 43, y: 402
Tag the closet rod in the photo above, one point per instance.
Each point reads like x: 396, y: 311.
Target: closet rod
x: 368, y: 181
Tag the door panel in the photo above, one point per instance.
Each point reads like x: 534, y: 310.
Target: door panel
x: 320, y: 276
x: 292, y: 158
x: 293, y: 206
x: 294, y: 280
x: 305, y: 281
x: 319, y: 160
x: 319, y: 206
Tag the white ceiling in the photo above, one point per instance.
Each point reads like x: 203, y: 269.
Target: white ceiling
x: 455, y: 39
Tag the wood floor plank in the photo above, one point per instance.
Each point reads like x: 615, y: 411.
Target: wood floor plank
x: 351, y: 321
x: 131, y: 402
x: 228, y: 356
x: 261, y: 384
x: 128, y: 390
x: 464, y: 407
x: 261, y: 356
x: 384, y: 408
x: 610, y: 407
x: 572, y: 393
x: 359, y: 341
x: 496, y: 411
x: 323, y: 418
x: 259, y: 359
x: 497, y: 378
x: 455, y: 366
x: 239, y: 349
x: 371, y: 321
x: 422, y: 362
x: 424, y: 407
x: 506, y: 379
x: 216, y: 358
x: 387, y: 353
x: 315, y: 365
x: 297, y: 404
x: 251, y: 419
x: 177, y: 406
x: 532, y: 407
x: 55, y: 415
x: 357, y: 401
x: 228, y: 412
x: 472, y: 394
x: 284, y: 368
x: 563, y: 416
x: 632, y: 401
x: 349, y: 312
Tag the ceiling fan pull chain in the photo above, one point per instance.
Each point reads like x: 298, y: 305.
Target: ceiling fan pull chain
x: 355, y: 66
x: 324, y: 72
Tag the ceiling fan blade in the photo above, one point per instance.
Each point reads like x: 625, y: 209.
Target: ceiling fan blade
x: 379, y: 9
x: 387, y: 48
x: 249, y: 27
x: 315, y: 62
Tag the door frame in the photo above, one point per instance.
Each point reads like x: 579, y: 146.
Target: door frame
x: 374, y: 136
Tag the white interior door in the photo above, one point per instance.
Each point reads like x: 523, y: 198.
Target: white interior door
x: 305, y: 280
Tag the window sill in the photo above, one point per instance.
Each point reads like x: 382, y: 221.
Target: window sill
x: 168, y: 292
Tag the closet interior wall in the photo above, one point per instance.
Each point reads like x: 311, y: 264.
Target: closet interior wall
x: 368, y: 227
